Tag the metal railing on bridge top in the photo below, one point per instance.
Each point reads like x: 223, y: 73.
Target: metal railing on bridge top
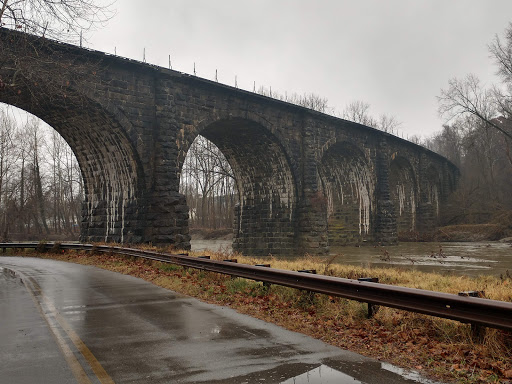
x: 474, y: 310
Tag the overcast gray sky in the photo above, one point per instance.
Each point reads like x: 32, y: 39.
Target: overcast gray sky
x: 394, y: 54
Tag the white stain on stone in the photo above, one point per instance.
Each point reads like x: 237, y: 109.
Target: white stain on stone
x: 406, y: 201
x: 433, y: 197
x: 112, y: 193
x: 350, y: 182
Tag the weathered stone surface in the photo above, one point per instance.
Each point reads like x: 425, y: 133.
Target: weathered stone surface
x: 306, y: 180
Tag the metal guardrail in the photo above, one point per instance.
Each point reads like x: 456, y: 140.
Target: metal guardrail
x: 473, y: 310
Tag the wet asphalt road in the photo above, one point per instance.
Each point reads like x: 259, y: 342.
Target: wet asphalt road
x: 68, y: 323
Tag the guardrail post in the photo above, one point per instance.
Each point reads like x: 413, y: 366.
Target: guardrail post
x: 232, y: 261
x: 310, y: 295
x: 204, y: 257
x: 41, y: 247
x: 265, y: 284
x: 477, y: 331
x: 313, y: 271
x: 185, y: 269
x: 56, y: 248
x: 372, y: 308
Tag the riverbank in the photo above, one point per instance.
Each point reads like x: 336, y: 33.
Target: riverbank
x: 498, y: 228
x: 448, y: 258
x: 438, y: 348
x: 460, y: 233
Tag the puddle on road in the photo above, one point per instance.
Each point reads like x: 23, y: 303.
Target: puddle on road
x: 9, y: 274
x: 411, y: 375
x: 322, y: 375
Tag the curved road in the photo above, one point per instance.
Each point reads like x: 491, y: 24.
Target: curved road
x: 68, y: 323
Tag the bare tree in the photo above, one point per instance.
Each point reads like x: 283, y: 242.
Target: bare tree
x: 449, y: 142
x: 311, y: 101
x: 34, y: 68
x: 480, y: 152
x: 60, y: 20
x: 7, y: 160
x: 501, y: 52
x: 307, y: 100
x: 468, y: 97
x: 356, y: 111
x: 388, y: 123
x: 36, y: 143
x: 493, y: 106
x: 209, y: 185
x: 40, y: 182
x: 359, y: 112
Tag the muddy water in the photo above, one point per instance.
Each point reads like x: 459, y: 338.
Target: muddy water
x: 472, y: 259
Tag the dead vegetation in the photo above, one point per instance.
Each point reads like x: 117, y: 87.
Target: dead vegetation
x: 438, y: 348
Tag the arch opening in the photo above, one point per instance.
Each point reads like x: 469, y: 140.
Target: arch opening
x: 108, y: 165
x: 264, y: 213
x: 208, y: 183
x: 349, y: 186
x: 403, y: 188
x: 41, y: 186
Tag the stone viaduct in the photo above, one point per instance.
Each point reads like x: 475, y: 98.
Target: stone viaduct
x: 306, y: 180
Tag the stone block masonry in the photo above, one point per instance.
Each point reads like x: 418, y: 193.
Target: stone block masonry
x: 305, y: 180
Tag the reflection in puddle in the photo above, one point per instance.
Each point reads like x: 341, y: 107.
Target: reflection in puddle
x: 322, y: 375
x: 411, y: 375
x: 9, y: 273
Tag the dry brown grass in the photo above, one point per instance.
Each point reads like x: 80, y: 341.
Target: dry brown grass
x: 437, y: 347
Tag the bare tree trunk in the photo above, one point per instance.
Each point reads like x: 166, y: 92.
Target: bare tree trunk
x: 38, y: 185
x: 22, y: 216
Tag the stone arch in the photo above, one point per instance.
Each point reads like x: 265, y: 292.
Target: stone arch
x: 403, y: 192
x: 265, y: 219
x: 348, y: 183
x: 110, y: 167
x: 188, y: 133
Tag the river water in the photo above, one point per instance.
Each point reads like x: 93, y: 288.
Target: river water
x: 471, y: 259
